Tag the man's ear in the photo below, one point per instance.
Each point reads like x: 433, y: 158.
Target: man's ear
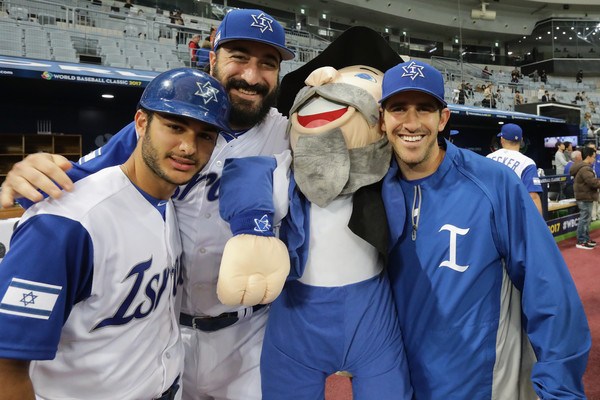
x: 381, y: 121
x: 444, y: 117
x: 141, y: 122
x: 212, y: 59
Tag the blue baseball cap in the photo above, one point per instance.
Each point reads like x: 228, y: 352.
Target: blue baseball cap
x: 511, y: 132
x: 413, y: 76
x: 254, y: 25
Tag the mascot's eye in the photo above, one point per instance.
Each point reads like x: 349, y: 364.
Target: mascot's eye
x: 368, y: 77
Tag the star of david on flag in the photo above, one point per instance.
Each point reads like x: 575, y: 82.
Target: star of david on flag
x: 29, y: 299
x: 262, y: 22
x: 207, y: 92
x: 413, y: 71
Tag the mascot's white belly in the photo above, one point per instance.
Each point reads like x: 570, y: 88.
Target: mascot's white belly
x: 336, y: 256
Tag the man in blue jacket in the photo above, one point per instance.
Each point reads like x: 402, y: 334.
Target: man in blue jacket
x: 485, y: 301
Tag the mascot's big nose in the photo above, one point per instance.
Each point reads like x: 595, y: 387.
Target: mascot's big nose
x: 321, y: 76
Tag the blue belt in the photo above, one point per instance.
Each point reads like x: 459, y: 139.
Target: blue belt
x: 211, y: 324
x: 169, y: 394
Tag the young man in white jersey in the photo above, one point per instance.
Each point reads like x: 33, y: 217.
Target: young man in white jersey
x: 511, y: 136
x: 222, y: 343
x: 89, y: 287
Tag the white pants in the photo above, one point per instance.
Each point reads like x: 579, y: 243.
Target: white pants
x: 225, y: 364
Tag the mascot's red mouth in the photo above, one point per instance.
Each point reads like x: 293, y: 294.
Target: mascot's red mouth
x: 320, y: 119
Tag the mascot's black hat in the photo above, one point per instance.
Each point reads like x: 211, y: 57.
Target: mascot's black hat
x: 358, y: 45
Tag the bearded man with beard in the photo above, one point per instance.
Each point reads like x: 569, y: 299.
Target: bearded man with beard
x: 222, y: 343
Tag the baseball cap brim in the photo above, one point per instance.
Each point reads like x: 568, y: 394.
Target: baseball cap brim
x: 286, y: 54
x: 183, y: 109
x: 414, y: 89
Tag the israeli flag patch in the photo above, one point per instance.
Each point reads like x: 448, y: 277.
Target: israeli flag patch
x: 29, y: 299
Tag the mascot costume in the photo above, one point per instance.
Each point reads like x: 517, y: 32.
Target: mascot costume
x: 335, y: 312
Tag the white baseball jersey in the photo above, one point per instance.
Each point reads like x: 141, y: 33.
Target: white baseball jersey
x: 204, y: 233
x: 90, y: 284
x: 522, y: 165
x: 222, y: 364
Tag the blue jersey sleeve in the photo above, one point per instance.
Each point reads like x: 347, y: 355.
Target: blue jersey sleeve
x: 246, y: 195
x: 115, y: 152
x: 531, y: 179
x: 553, y: 314
x: 47, y: 270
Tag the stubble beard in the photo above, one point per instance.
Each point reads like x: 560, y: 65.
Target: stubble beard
x: 151, y: 159
x: 415, y: 159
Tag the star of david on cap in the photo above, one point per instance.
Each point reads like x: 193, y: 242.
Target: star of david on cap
x: 252, y: 25
x: 262, y: 22
x: 413, y: 71
x: 403, y: 78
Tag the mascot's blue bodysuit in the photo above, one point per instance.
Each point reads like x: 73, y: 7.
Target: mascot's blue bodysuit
x: 335, y: 312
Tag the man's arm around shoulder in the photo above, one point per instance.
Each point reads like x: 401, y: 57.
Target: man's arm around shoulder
x: 15, y: 381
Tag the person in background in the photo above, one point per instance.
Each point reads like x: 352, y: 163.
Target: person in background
x: 540, y: 93
x: 462, y: 94
x: 97, y: 298
x: 476, y: 290
x: 586, y: 187
x: 177, y: 19
x: 194, y: 45
x: 515, y: 74
x: 489, y: 100
x: 518, y: 98
x: 213, y: 32
x: 560, y: 160
x: 511, y: 136
x: 543, y: 77
x: 486, y: 73
x: 592, y: 130
x: 568, y: 191
x: 206, y: 43
x: 222, y: 343
x: 546, y: 97
x: 579, y: 76
x: 596, y: 168
x: 568, y: 150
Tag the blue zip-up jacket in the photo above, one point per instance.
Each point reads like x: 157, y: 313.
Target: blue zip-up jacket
x: 478, y: 279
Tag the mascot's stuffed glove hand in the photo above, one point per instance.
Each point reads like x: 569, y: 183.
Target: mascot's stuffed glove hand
x: 253, y: 270
x: 255, y: 264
